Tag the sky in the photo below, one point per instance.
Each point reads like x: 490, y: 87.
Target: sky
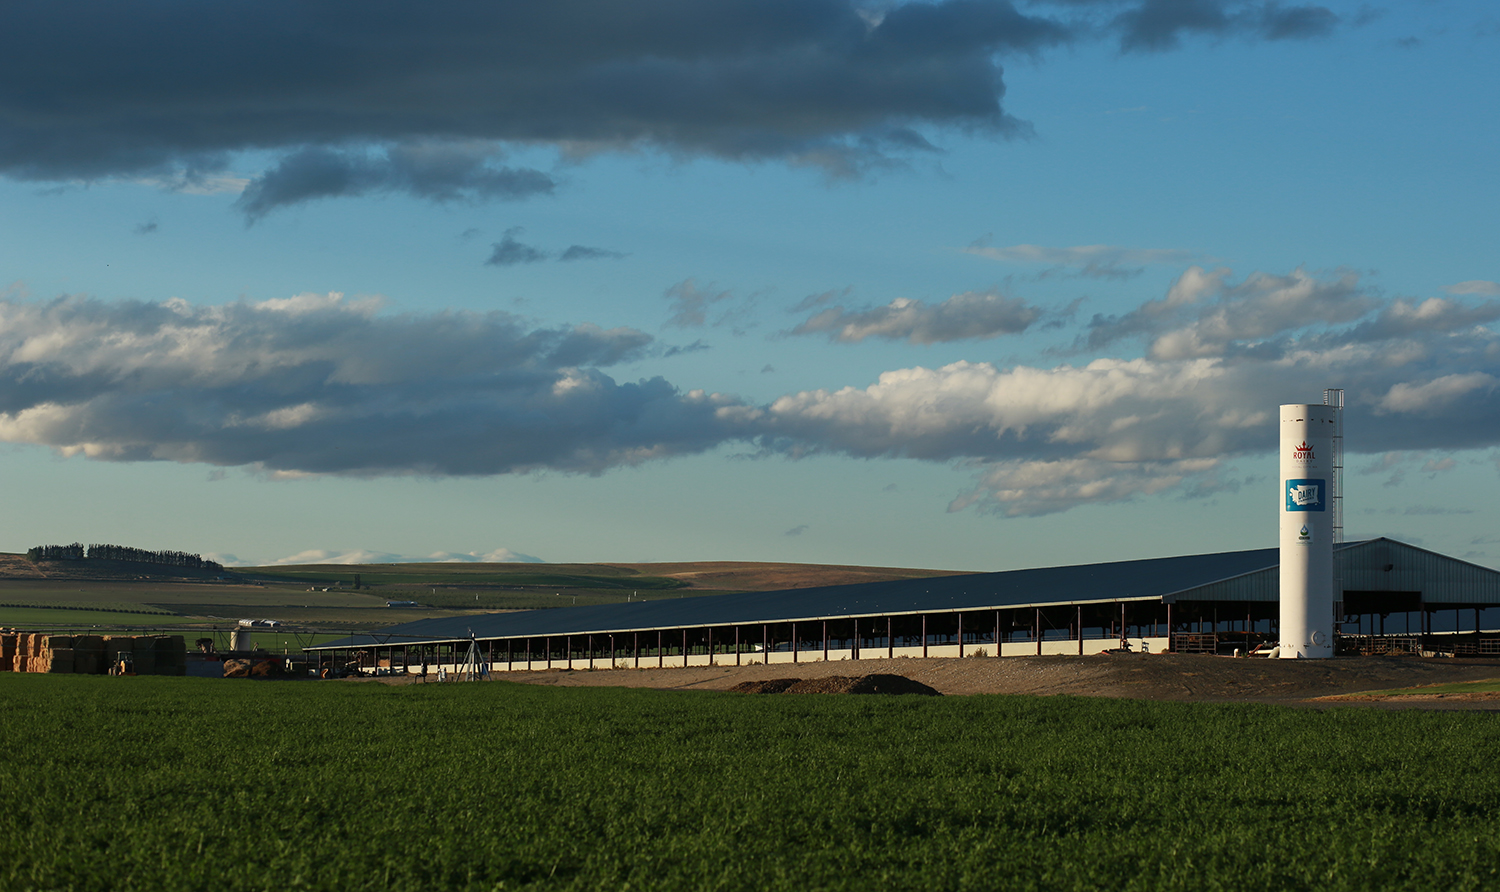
x: 957, y: 284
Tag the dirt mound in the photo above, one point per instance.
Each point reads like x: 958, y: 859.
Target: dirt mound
x: 837, y: 684
x: 769, y: 686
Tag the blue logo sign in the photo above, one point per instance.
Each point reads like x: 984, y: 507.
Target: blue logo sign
x: 1306, y: 495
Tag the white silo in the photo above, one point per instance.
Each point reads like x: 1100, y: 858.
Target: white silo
x: 1306, y: 498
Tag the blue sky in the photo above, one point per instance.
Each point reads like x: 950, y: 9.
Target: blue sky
x: 956, y: 284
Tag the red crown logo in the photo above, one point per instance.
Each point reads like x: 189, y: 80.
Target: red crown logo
x: 1303, y: 452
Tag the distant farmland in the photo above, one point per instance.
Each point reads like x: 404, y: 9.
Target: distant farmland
x: 124, y: 784
x: 308, y: 598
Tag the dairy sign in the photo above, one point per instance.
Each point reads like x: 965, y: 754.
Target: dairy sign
x: 1306, y: 495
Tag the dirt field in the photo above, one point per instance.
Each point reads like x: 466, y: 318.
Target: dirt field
x: 750, y: 576
x: 1318, y: 683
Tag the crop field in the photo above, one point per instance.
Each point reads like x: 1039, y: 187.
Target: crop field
x: 50, y: 594
x: 181, y: 783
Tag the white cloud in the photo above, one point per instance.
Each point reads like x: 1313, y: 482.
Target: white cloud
x: 1261, y: 307
x: 226, y: 559
x: 362, y: 556
x: 1475, y: 286
x: 317, y: 384
x: 1437, y: 394
x: 323, y: 556
x: 1031, y: 488
x: 1081, y: 255
x: 972, y: 315
x: 496, y: 556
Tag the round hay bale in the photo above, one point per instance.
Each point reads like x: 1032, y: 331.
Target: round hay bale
x: 266, y: 669
x: 236, y: 668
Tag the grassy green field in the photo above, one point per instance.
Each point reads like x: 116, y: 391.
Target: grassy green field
x: 297, y: 596
x: 26, y: 617
x: 1489, y: 686
x: 166, y: 784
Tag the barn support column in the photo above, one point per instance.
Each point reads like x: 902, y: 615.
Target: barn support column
x: 636, y: 648
x: 660, y: 659
x: 684, y: 648
x: 997, y: 633
x: 924, y: 636
x: 960, y: 635
x: 765, y: 643
x: 1171, y: 639
x: 825, y: 640
x: 1124, y: 629
x: 737, y: 645
x: 890, y: 640
x: 1080, y: 630
x: 795, y: 649
x: 855, y: 648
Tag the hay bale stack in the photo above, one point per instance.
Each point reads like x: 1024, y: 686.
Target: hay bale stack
x: 236, y: 668
x: 171, y: 655
x: 88, y: 655
x: 119, y: 647
x: 60, y: 661
x: 144, y: 649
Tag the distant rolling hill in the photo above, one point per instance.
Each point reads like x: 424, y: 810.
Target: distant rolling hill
x: 312, y: 596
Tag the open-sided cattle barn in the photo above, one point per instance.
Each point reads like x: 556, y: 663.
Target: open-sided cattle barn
x: 1395, y: 598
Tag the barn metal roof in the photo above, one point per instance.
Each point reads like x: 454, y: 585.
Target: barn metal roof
x: 1087, y: 583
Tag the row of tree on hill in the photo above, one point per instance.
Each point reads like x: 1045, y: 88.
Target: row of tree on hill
x: 78, y: 552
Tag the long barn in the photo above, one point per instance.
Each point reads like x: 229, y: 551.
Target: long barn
x: 1395, y: 598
